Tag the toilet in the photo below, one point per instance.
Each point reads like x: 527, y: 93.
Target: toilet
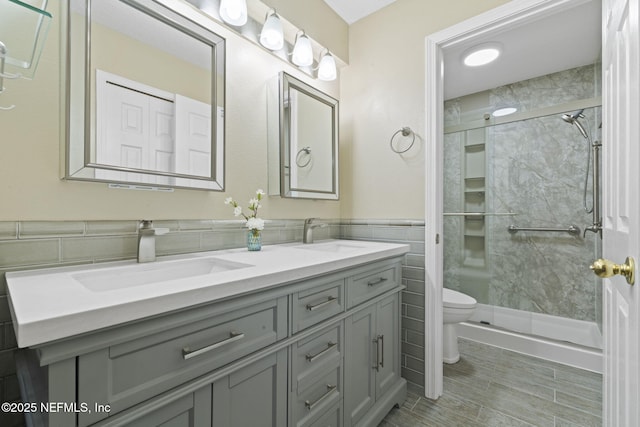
x: 456, y: 307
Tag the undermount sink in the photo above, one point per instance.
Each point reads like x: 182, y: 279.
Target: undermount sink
x: 154, y: 272
x: 331, y: 247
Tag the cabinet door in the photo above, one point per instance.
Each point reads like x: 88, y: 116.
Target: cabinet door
x: 360, y: 348
x: 254, y: 396
x: 193, y: 410
x: 388, y: 344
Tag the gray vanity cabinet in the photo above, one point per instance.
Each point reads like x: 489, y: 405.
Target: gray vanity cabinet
x: 317, y: 352
x: 127, y: 373
x: 372, y: 358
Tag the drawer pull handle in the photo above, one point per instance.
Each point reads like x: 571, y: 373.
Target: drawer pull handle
x: 329, y: 300
x: 312, y: 357
x: 330, y: 389
x: 379, y: 340
x: 187, y: 353
x: 377, y: 282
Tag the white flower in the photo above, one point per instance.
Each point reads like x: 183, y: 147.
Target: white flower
x: 254, y: 204
x: 228, y: 200
x: 260, y: 193
x: 237, y: 211
x: 255, y: 224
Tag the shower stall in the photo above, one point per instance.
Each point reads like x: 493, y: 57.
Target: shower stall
x: 521, y: 206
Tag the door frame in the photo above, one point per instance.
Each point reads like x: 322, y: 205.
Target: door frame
x: 511, y: 14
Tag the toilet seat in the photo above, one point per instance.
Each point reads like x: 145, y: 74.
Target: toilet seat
x: 454, y: 299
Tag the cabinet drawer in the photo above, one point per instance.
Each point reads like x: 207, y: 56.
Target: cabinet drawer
x: 128, y: 373
x: 331, y: 418
x: 319, y: 303
x: 315, y: 400
x: 320, y: 352
x: 367, y: 285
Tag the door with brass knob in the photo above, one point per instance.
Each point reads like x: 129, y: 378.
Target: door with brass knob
x: 620, y: 211
x: 604, y: 268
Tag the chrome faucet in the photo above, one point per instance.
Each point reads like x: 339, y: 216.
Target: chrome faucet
x: 309, y: 225
x: 595, y: 228
x: 147, y: 240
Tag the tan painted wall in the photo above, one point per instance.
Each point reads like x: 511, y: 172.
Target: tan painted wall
x: 382, y: 90
x: 30, y: 187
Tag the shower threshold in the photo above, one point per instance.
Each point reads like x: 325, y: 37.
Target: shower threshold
x: 567, y: 353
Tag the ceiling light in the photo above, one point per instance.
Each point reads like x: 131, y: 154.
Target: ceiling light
x: 327, y: 68
x: 481, y: 54
x: 234, y: 12
x: 302, y: 51
x: 505, y: 111
x: 272, y: 36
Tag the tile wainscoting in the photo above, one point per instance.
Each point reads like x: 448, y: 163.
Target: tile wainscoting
x: 38, y: 244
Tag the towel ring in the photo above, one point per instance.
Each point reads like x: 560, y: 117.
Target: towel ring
x: 406, y: 131
x: 299, y: 155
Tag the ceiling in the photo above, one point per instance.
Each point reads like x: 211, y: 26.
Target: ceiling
x: 354, y: 10
x: 553, y: 43
x: 565, y: 40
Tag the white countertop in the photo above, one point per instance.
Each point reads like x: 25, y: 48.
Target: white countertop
x: 50, y: 304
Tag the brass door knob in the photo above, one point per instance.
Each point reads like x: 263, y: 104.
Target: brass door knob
x: 605, y: 268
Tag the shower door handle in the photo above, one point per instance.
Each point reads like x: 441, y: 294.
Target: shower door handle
x: 605, y: 268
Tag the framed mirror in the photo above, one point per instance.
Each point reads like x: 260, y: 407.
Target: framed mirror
x: 145, y: 95
x: 308, y: 141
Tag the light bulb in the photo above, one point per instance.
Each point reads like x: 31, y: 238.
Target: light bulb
x: 327, y: 68
x: 302, y: 52
x: 504, y: 111
x: 234, y: 12
x: 482, y: 54
x: 272, y: 36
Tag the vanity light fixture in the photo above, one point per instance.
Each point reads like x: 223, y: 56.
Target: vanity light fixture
x: 504, y: 111
x: 481, y: 54
x: 302, y: 51
x: 234, y: 12
x: 327, y: 69
x: 272, y: 35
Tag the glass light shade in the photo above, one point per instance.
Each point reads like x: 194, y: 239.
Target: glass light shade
x: 234, y: 12
x: 327, y: 68
x: 302, y: 52
x: 272, y: 36
x: 504, y: 111
x: 481, y: 56
x: 23, y: 32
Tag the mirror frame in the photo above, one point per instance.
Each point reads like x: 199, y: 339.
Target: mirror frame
x: 77, y: 160
x: 288, y: 82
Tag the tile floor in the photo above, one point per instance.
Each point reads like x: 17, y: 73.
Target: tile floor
x: 490, y: 386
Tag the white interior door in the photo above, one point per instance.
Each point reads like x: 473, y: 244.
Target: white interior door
x: 126, y: 131
x: 135, y: 129
x: 193, y: 131
x: 621, y: 213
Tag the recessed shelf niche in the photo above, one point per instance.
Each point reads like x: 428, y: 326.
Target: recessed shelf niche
x: 474, y: 198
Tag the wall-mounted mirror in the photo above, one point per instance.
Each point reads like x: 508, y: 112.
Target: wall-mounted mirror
x: 307, y: 161
x: 145, y: 94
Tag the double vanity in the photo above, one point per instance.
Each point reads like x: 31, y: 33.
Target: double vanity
x: 293, y: 335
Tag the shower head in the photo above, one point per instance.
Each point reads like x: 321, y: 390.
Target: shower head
x: 570, y: 118
x: 573, y: 119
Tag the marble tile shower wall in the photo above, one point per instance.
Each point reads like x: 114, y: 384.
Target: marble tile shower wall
x: 33, y: 244
x: 535, y: 169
